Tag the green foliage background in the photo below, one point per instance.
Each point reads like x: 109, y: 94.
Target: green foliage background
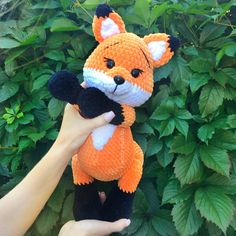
x: 187, y: 130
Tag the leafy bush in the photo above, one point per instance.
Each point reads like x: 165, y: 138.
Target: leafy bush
x: 187, y: 129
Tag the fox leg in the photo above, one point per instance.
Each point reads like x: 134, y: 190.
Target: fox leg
x: 119, y: 202
x: 87, y: 204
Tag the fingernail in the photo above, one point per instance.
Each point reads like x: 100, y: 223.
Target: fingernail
x: 109, y: 116
x: 127, y: 223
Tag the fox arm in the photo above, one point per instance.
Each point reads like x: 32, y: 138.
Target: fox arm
x: 92, y: 102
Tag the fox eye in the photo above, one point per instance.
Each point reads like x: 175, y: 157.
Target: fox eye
x: 109, y: 62
x: 136, y: 72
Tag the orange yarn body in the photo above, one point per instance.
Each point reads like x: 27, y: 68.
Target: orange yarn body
x: 119, y: 157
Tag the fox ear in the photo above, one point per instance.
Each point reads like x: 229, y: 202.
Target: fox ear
x: 161, y: 47
x: 106, y: 23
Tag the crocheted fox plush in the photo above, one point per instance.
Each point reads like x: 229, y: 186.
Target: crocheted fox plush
x: 118, y: 76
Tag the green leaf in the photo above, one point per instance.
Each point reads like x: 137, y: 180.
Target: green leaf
x: 182, y: 145
x: 216, y: 159
x: 57, y: 198
x: 55, y: 107
x: 49, y: 4
x: 142, y: 9
x: 225, y: 184
x: 186, y: 217
x: 224, y: 139
x: 162, y: 223
x: 231, y: 120
x: 67, y: 213
x: 55, y: 55
x: 154, y: 146
x: 200, y: 65
x: 215, y: 206
x: 46, y: 220
x: 8, y: 90
x: 40, y: 82
x: 182, y: 126
x: 188, y: 169
x: 63, y: 24
x: 211, y: 98
x: 211, y: 31
x: 37, y: 136
x: 8, y: 43
x: 164, y: 157
x: 206, y: 132
x: 183, y: 114
x: 173, y: 193
x: 197, y: 81
x: 167, y: 127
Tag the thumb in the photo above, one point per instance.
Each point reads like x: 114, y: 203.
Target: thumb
x: 101, y: 120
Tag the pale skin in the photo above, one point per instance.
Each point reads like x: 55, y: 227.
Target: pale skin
x: 21, y: 206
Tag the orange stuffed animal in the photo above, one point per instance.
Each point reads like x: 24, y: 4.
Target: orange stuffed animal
x: 118, y: 76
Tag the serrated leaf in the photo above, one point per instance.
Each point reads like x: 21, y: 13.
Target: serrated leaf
x: 164, y: 157
x: 8, y: 90
x: 63, y: 24
x: 46, y: 220
x: 57, y: 198
x: 186, y: 217
x: 6, y: 42
x: 182, y: 126
x: 183, y: 114
x: 197, y: 81
x: 224, y: 139
x: 225, y: 184
x: 206, y: 132
x: 200, y: 65
x: 211, y: 98
x: 188, y: 169
x: 55, y: 107
x: 67, y: 212
x: 231, y: 120
x: 55, y: 55
x: 162, y: 223
x: 182, y: 145
x: 37, y: 136
x: 215, y: 206
x: 154, y: 146
x: 167, y: 127
x: 216, y: 159
x: 40, y: 82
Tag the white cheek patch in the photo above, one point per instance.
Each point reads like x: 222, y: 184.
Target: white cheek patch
x: 101, y: 135
x: 157, y: 48
x: 127, y: 93
x: 109, y: 28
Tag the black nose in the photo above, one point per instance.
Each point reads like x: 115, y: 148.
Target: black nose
x: 118, y: 80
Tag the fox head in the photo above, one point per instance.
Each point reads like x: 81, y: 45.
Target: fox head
x: 122, y: 64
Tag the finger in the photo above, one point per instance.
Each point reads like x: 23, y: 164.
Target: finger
x: 101, y: 120
x: 100, y: 228
x: 102, y: 197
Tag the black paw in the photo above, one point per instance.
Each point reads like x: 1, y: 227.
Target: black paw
x: 118, y: 205
x: 64, y: 86
x: 103, y: 10
x: 93, y: 102
x: 87, y: 204
x: 174, y: 43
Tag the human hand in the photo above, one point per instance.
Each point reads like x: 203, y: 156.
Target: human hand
x: 75, y: 129
x: 93, y: 227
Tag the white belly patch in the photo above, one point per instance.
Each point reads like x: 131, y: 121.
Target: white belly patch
x: 101, y: 135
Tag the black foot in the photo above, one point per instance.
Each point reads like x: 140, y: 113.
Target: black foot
x: 87, y: 204
x: 118, y: 205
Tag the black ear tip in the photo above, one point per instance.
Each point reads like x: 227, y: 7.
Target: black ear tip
x: 175, y: 43
x: 103, y: 10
